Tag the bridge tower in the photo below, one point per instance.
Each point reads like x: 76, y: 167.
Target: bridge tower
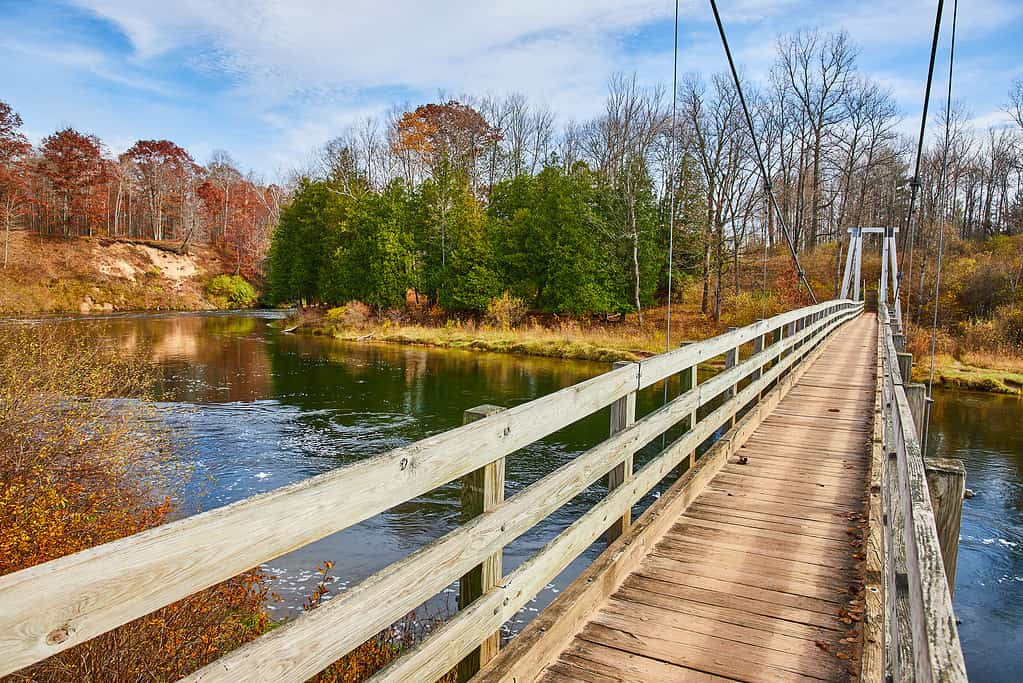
x: 889, y: 269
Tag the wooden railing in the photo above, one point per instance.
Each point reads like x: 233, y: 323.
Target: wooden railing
x: 921, y: 642
x: 50, y: 607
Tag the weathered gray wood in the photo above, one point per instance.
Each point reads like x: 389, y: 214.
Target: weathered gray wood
x: 623, y: 414
x: 872, y: 660
x: 482, y: 491
x: 731, y: 360
x: 934, y: 652
x: 906, y: 367
x: 689, y: 378
x: 758, y: 346
x: 916, y: 394
x: 946, y: 484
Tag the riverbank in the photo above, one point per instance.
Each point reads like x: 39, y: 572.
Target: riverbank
x: 626, y: 340
x: 53, y: 274
x: 991, y: 374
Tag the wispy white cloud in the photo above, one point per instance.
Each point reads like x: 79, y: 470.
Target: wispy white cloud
x: 283, y: 76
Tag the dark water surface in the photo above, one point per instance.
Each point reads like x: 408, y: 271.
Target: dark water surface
x: 254, y: 409
x: 985, y: 431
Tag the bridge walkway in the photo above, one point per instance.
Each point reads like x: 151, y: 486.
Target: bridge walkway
x: 758, y: 579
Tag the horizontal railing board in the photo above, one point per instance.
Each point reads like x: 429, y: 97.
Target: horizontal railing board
x: 362, y: 611
x: 656, y: 368
x: 91, y: 592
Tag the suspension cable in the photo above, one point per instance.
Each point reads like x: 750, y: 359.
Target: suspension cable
x: 942, y: 186
x: 760, y: 157
x: 915, y: 183
x: 671, y: 185
x: 671, y: 193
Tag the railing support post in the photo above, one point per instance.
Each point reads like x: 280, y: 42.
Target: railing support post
x: 758, y: 346
x: 946, y: 484
x: 905, y: 361
x: 623, y: 414
x: 690, y: 377
x: 731, y: 360
x: 482, y: 491
x: 916, y: 394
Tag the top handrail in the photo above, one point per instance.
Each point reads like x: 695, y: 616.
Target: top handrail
x: 50, y: 607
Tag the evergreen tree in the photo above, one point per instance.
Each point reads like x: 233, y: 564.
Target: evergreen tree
x: 550, y: 242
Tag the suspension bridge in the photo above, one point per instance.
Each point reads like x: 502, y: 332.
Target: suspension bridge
x: 805, y: 536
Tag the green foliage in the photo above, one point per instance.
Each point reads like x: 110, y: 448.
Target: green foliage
x: 230, y: 291
x: 552, y: 243
x: 562, y: 241
x: 311, y: 229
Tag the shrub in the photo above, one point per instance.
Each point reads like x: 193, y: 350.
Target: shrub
x: 745, y: 308
x: 353, y: 315
x: 1009, y: 320
x: 230, y: 291
x: 505, y: 312
x: 979, y: 335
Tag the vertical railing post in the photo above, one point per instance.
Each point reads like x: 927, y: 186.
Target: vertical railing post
x: 946, y: 484
x: 482, y: 491
x: 758, y: 346
x: 623, y: 414
x: 731, y: 360
x: 905, y: 361
x: 689, y: 377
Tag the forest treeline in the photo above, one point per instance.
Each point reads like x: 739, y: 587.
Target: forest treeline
x: 461, y: 201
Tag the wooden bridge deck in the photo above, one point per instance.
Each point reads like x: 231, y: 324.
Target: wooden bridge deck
x: 757, y: 579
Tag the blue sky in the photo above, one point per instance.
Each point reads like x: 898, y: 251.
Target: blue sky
x: 269, y: 81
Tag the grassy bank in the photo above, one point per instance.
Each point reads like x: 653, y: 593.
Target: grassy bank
x: 596, y: 339
x: 1000, y: 375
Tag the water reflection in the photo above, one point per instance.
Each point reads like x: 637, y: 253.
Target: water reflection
x: 984, y: 432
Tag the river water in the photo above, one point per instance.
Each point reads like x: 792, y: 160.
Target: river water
x: 254, y: 408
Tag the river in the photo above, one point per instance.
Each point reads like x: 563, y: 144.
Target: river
x: 254, y: 408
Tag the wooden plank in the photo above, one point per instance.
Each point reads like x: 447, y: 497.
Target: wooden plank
x: 641, y: 589
x: 597, y: 660
x: 767, y: 522
x: 709, y: 656
x: 746, y: 533
x: 661, y: 566
x: 760, y: 647
x: 946, y: 484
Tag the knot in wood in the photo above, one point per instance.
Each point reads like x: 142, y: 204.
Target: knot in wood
x: 58, y: 635
x: 403, y: 464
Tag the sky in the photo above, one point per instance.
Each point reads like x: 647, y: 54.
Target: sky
x: 270, y: 81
